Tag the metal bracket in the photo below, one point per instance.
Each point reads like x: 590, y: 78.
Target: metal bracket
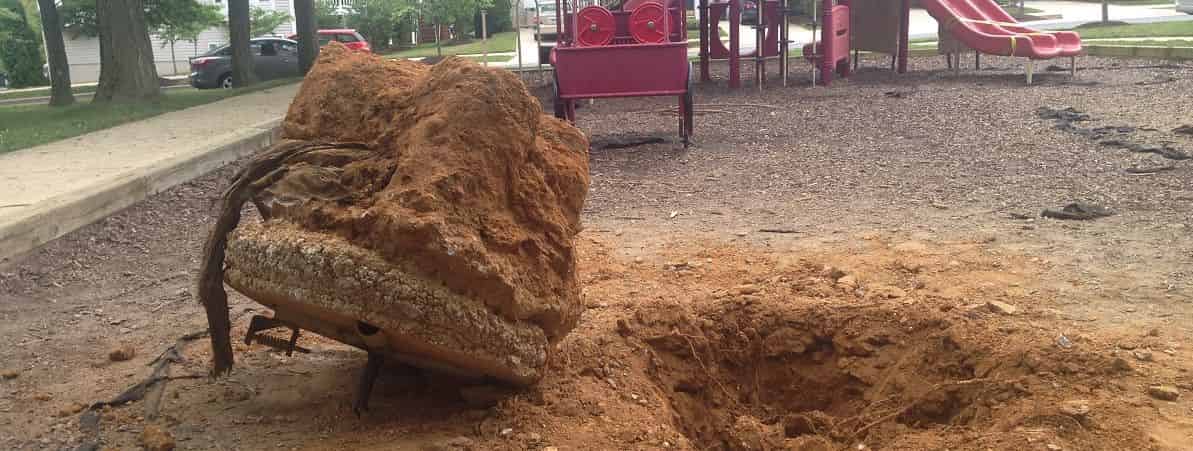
x: 261, y: 323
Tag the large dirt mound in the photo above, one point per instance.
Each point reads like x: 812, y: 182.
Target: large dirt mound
x: 455, y: 213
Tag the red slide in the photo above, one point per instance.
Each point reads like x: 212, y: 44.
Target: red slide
x: 986, y: 27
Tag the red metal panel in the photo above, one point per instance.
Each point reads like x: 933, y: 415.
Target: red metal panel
x: 622, y: 70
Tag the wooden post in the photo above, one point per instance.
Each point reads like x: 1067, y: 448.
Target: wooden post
x: 904, y: 24
x: 707, y: 29
x: 734, y: 44
x: 484, y: 40
x: 759, y: 50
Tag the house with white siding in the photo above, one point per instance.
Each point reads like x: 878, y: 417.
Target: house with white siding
x: 83, y: 51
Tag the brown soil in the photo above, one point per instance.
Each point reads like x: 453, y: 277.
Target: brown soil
x: 462, y: 183
x: 906, y: 295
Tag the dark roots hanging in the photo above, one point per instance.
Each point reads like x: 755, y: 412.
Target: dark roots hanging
x: 261, y: 172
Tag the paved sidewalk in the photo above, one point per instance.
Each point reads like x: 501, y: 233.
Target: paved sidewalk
x: 50, y: 190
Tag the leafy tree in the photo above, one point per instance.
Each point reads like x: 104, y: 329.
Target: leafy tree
x: 327, y: 16
x: 78, y: 17
x: 181, y: 20
x: 379, y: 20
x: 19, y: 47
x: 263, y: 21
x: 497, y: 16
x: 458, y: 13
x: 60, y: 93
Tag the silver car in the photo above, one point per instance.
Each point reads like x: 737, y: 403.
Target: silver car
x: 272, y: 58
x: 1184, y: 6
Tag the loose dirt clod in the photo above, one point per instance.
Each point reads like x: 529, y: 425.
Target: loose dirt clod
x: 443, y: 234
x: 9, y: 374
x: 70, y: 409
x: 122, y: 353
x: 1164, y: 392
x: 156, y: 438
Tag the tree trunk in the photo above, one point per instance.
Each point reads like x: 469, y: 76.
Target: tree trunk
x: 173, y: 59
x: 308, y: 45
x: 1105, y: 10
x: 238, y: 33
x: 126, y: 70
x: 60, y: 94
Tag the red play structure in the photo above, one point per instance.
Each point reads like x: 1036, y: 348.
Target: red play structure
x: 879, y: 26
x: 830, y: 52
x: 639, y: 49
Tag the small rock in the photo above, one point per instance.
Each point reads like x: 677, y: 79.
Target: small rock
x: 1052, y: 447
x: 742, y: 233
x: 123, y: 353
x: 550, y: 448
x: 1153, y: 333
x: 847, y: 282
x: 746, y: 289
x: 1142, y: 356
x: 1077, y: 408
x: 43, y: 397
x: 1064, y: 343
x: 70, y: 409
x: 9, y: 374
x: 1164, y: 392
x: 1001, y: 308
x: 833, y: 272
x: 156, y: 438
x: 506, y: 432
x: 639, y: 260
x: 1120, y: 364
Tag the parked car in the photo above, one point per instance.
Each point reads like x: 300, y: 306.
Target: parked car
x: 1184, y: 6
x: 749, y: 12
x: 544, y: 22
x: 349, y: 37
x: 272, y: 58
x: 545, y: 30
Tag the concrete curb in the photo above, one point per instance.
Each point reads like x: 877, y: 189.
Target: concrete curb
x: 66, y: 213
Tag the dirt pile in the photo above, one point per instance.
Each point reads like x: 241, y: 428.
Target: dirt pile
x: 903, y: 348
x: 447, y: 225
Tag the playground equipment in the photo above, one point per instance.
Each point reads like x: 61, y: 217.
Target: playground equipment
x: 637, y: 50
x: 985, y: 27
x: 876, y: 26
x: 770, y: 40
x: 870, y: 25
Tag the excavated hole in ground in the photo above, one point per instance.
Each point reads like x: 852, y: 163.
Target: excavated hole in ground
x: 758, y: 375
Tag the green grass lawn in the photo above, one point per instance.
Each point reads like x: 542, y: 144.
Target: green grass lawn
x: 491, y: 59
x: 498, y: 42
x: 43, y: 92
x: 1165, y: 29
x: 1134, y: 2
x: 24, y: 126
x: 1146, y: 43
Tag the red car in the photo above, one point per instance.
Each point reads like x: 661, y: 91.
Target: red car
x: 350, y: 38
